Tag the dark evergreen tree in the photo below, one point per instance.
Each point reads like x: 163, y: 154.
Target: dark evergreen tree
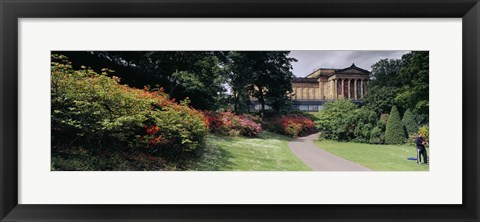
x: 394, y: 133
x: 409, y: 122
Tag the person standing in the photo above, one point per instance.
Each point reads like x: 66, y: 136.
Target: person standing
x: 421, y: 150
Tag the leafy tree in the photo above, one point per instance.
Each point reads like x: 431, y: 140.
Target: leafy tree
x: 265, y: 76
x: 381, y: 98
x: 385, y: 73
x: 199, y: 76
x: 414, y: 76
x: 239, y: 79
x: 401, y: 82
x: 394, y: 133
x: 409, y: 122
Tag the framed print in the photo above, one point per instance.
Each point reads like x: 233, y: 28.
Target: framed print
x: 225, y: 110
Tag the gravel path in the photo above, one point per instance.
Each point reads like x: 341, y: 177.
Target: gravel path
x: 319, y: 159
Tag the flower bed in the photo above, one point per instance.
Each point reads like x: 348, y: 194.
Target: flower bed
x: 228, y: 123
x: 292, y: 125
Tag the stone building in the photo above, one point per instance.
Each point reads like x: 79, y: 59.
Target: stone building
x: 311, y: 92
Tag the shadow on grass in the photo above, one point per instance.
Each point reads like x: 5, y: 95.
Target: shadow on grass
x: 214, y: 157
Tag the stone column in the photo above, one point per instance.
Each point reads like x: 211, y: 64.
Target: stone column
x: 335, y: 90
x: 320, y: 87
x: 341, y: 88
x: 335, y: 95
x: 361, y: 88
x: 355, y: 89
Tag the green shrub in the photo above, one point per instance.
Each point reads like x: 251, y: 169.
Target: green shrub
x: 333, y: 119
x: 394, y: 132
x: 409, y: 122
x: 344, y: 121
x: 97, y: 113
x: 377, y: 136
x: 362, y: 121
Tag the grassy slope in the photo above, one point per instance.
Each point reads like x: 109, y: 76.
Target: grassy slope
x: 375, y: 157
x: 269, y: 152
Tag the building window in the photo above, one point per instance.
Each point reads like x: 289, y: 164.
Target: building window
x: 303, y: 107
x: 345, y: 89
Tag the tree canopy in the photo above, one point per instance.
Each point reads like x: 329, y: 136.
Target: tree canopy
x: 402, y: 83
x: 204, y: 77
x: 265, y: 76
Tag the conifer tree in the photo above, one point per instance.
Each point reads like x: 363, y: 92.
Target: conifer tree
x: 409, y: 122
x: 394, y: 133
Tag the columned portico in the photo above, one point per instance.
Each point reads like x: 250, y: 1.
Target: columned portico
x: 331, y: 84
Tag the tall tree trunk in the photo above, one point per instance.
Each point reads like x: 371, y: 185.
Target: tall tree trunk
x: 235, y: 101
x: 262, y: 101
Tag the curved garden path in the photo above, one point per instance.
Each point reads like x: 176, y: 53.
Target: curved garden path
x: 319, y: 159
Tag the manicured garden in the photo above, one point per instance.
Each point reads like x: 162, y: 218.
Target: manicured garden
x: 374, y: 156
x: 101, y: 121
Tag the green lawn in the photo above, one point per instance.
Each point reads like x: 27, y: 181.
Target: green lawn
x: 268, y: 152
x: 375, y: 157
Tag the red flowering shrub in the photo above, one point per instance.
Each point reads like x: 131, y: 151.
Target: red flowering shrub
x: 292, y: 125
x: 230, y: 124
x: 97, y: 112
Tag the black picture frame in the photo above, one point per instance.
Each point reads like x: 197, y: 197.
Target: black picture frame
x: 11, y: 11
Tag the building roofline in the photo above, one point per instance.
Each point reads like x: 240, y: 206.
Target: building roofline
x: 304, y: 79
x: 353, y: 66
x: 335, y: 71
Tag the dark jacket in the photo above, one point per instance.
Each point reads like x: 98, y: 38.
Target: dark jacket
x: 419, y: 142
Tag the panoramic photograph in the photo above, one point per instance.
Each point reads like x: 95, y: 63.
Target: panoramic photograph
x: 299, y: 110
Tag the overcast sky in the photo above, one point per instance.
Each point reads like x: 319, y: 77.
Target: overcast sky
x: 310, y: 60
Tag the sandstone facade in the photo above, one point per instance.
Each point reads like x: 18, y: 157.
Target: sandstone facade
x: 331, y: 84
x: 311, y: 92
